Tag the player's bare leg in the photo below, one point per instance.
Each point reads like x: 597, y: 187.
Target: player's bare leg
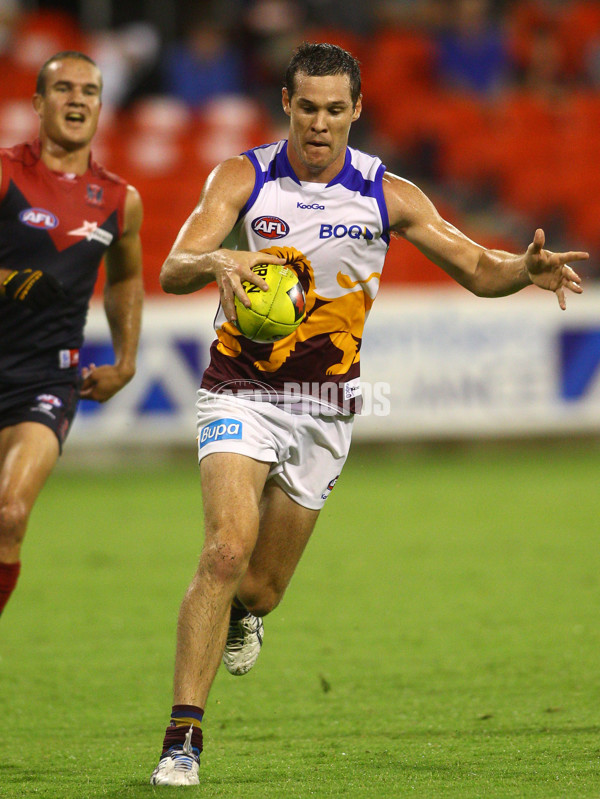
x: 231, y: 488
x: 285, y: 528
x: 28, y: 453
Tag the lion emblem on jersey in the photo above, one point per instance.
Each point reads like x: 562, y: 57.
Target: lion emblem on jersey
x: 344, y: 315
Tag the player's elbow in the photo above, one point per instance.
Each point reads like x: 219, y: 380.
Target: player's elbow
x: 487, y: 288
x: 168, y: 281
x: 479, y: 283
x: 480, y: 290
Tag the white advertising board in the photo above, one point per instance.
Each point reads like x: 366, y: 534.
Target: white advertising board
x: 436, y: 363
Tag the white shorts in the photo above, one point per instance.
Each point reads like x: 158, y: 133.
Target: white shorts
x: 307, y: 451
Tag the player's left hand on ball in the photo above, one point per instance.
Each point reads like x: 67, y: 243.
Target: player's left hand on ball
x: 35, y: 289
x: 550, y: 270
x: 100, y: 383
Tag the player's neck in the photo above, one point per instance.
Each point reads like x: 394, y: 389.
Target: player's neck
x: 307, y: 175
x: 58, y: 159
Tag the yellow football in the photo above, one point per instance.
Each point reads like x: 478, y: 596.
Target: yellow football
x: 275, y: 313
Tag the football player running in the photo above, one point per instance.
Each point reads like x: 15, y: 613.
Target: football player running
x: 275, y: 421
x: 60, y: 214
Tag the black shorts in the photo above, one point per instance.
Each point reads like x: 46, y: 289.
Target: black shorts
x: 53, y: 405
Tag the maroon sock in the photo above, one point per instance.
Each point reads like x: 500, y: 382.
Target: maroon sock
x: 182, y: 718
x: 9, y: 574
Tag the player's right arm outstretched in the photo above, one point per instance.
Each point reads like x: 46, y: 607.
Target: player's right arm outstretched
x: 197, y: 258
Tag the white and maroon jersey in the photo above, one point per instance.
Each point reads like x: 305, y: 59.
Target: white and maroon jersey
x: 335, y: 236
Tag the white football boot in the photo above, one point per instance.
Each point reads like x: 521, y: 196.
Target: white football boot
x: 179, y: 765
x: 244, y: 640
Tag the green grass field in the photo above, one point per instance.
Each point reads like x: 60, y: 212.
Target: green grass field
x: 440, y: 638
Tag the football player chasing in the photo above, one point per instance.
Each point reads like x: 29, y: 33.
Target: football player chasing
x: 60, y: 214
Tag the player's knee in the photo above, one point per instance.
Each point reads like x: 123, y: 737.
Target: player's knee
x: 263, y: 605
x: 261, y: 599
x: 226, y: 561
x: 13, y: 521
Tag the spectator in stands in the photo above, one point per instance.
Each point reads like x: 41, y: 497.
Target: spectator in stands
x: 10, y: 11
x: 203, y: 65
x: 126, y: 57
x: 272, y: 28
x: 472, y: 53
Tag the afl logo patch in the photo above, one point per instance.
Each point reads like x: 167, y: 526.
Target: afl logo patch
x: 270, y: 227
x: 38, y: 218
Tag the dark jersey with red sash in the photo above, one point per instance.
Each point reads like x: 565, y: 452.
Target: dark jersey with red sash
x: 62, y: 224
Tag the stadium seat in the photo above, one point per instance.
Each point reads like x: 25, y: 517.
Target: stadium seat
x: 22, y: 81
x: 161, y: 114
x: 41, y: 33
x: 583, y: 226
x: 525, y: 132
x: 398, y: 77
x: 523, y: 20
x: 579, y: 29
x: 458, y: 124
x: 228, y: 125
x: 18, y: 122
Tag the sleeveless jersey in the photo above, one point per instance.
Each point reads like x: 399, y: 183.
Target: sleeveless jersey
x: 62, y: 224
x: 335, y: 236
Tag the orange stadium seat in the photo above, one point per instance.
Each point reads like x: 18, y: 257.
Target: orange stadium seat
x: 161, y: 114
x: 22, y: 81
x: 523, y: 20
x: 584, y: 229
x: 39, y: 34
x: 228, y: 125
x: 582, y: 112
x: 18, y: 122
x: 151, y: 146
x: 398, y: 77
x: 579, y: 28
x: 459, y: 125
x: 526, y: 181
x: 522, y: 111
x: 525, y: 134
x: 547, y: 151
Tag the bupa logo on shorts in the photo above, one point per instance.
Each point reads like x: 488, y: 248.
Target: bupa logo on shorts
x: 270, y: 227
x: 339, y: 231
x: 38, y: 218
x: 330, y: 486
x: 311, y: 207
x: 221, y: 430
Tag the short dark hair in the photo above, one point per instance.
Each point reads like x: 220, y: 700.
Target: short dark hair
x: 40, y: 86
x: 318, y: 59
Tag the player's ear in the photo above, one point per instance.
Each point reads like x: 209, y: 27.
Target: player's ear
x: 357, y: 108
x: 285, y: 101
x: 37, y: 101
